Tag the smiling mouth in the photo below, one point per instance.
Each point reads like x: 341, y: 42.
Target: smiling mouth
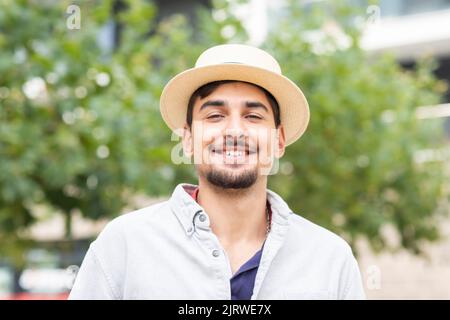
x: 233, y: 152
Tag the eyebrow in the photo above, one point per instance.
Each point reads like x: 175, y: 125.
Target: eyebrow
x: 221, y: 103
x: 256, y: 104
x: 212, y: 103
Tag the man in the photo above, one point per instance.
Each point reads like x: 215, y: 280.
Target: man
x: 229, y: 237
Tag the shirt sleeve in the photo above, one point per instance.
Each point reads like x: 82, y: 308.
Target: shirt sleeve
x: 92, y: 283
x: 352, y: 282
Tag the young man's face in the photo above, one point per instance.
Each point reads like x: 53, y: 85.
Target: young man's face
x: 233, y: 137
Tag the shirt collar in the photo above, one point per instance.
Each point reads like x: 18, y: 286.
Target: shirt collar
x: 186, y: 208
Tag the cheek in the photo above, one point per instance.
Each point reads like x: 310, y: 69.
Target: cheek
x: 203, y: 136
x: 266, y: 143
x: 265, y: 138
x: 210, y: 133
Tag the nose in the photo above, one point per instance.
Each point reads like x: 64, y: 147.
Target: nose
x: 235, y: 122
x: 235, y: 132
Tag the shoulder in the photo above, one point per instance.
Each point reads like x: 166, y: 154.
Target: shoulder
x: 149, y: 213
x: 328, y: 254
x: 315, y: 237
x: 121, y: 227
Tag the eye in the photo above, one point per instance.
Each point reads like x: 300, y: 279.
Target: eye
x: 254, y: 116
x: 214, y: 116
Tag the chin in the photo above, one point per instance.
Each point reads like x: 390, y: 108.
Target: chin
x: 234, y: 167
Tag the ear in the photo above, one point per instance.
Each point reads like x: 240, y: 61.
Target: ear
x: 281, y: 142
x: 187, y: 141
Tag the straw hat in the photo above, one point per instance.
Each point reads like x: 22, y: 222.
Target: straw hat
x: 241, y: 63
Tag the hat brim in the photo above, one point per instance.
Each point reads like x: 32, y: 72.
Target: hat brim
x: 294, y: 110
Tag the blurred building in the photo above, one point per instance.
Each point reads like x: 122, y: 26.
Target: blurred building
x: 412, y: 29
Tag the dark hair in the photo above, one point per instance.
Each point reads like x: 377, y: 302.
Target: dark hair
x: 209, y: 88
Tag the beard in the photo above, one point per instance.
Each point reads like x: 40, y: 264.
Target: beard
x: 226, y: 180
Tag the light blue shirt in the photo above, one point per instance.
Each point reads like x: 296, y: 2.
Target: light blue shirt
x: 168, y: 251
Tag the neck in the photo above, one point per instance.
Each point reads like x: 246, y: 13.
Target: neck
x: 236, y: 215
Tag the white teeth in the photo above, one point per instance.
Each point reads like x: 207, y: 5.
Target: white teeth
x: 234, y: 153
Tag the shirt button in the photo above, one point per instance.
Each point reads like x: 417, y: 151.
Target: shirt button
x: 215, y: 253
x: 202, y: 218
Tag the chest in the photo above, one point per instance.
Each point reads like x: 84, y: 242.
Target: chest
x: 240, y: 254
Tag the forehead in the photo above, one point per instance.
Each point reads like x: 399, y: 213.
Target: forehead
x: 235, y: 92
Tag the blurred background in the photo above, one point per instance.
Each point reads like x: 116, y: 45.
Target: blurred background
x: 82, y: 140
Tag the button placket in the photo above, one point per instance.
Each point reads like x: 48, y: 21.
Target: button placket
x: 202, y: 221
x: 219, y: 260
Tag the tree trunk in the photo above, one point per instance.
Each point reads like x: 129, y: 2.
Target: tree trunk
x: 68, y: 225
